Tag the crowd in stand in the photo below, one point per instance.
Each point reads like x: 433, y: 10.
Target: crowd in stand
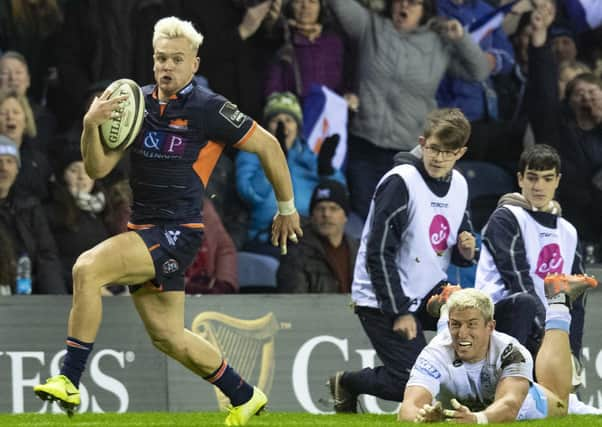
x: 392, y: 61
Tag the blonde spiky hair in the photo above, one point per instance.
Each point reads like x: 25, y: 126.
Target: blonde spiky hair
x: 172, y: 28
x: 472, y: 298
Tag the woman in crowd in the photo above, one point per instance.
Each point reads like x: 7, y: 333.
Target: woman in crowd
x: 81, y: 213
x: 313, y: 53
x: 17, y: 123
x: 402, y: 56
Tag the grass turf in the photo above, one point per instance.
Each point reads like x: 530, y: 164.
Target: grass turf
x: 148, y: 419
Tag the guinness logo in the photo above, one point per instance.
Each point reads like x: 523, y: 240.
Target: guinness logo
x: 247, y: 345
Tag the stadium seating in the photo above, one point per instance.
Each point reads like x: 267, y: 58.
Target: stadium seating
x: 464, y: 276
x: 486, y: 183
x: 256, y: 272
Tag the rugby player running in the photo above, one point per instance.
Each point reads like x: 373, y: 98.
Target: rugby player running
x: 171, y: 160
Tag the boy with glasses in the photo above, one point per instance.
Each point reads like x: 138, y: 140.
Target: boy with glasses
x: 417, y: 224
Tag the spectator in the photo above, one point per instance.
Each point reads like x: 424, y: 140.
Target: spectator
x: 238, y: 47
x: 14, y: 76
x: 104, y: 40
x: 323, y: 261
x: 524, y: 240
x: 563, y: 42
x: 17, y: 123
x: 78, y: 211
x: 23, y: 218
x: 214, y: 269
x: 283, y: 118
x: 8, y: 263
x: 313, y: 53
x: 572, y: 127
x: 418, y: 223
x: 375, y: 5
x: 397, y: 49
x: 567, y: 71
x: 477, y: 100
x: 30, y: 27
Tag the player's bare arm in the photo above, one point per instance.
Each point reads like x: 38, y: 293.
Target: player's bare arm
x: 99, y: 160
x: 509, y: 397
x: 418, y: 406
x: 286, y: 224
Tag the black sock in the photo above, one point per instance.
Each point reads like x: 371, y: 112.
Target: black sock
x: 231, y: 384
x: 75, y: 359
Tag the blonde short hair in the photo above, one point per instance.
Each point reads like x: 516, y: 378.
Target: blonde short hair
x: 472, y: 298
x: 30, y: 123
x: 173, y: 28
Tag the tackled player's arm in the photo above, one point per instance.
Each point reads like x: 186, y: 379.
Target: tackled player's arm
x: 98, y: 159
x: 416, y: 406
x: 509, y: 397
x: 286, y: 224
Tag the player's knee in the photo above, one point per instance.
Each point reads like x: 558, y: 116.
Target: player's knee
x: 167, y: 342
x: 82, y: 270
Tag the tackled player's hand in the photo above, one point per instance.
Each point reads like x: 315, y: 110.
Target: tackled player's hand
x: 460, y: 413
x: 430, y: 413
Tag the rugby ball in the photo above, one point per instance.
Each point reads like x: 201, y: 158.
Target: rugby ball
x: 120, y: 131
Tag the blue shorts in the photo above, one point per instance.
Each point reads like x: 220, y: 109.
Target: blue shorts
x: 535, y: 405
x: 173, y: 248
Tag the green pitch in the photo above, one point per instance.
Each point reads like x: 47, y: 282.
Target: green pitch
x: 207, y: 419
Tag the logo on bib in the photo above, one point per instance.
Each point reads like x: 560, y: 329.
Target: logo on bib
x: 438, y: 233
x: 549, y: 260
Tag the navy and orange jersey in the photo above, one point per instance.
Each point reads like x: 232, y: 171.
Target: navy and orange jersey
x: 174, y: 154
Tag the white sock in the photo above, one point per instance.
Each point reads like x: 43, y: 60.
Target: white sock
x: 577, y: 407
x: 558, y: 317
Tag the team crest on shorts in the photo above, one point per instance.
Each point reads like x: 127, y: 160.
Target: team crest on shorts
x: 170, y: 266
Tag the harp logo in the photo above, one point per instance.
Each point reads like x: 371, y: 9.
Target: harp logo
x: 247, y: 345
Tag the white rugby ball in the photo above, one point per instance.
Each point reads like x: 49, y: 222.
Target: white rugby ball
x: 120, y: 131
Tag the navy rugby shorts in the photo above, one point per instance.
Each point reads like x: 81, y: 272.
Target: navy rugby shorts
x: 173, y: 248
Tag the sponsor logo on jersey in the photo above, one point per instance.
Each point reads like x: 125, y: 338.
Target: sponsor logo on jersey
x: 178, y: 124
x: 232, y: 114
x: 170, y: 266
x: 511, y: 356
x: 172, y: 236
x: 162, y: 145
x: 438, y: 233
x: 549, y: 260
x: 439, y: 205
x: 425, y: 367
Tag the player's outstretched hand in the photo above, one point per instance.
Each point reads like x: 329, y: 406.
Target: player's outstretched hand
x: 460, y: 413
x: 430, y: 413
x: 103, y: 108
x: 284, y: 228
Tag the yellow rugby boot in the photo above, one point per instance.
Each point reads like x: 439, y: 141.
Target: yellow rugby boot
x: 60, y: 389
x: 241, y: 414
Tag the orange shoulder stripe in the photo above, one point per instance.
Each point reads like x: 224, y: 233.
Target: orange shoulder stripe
x: 247, y: 135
